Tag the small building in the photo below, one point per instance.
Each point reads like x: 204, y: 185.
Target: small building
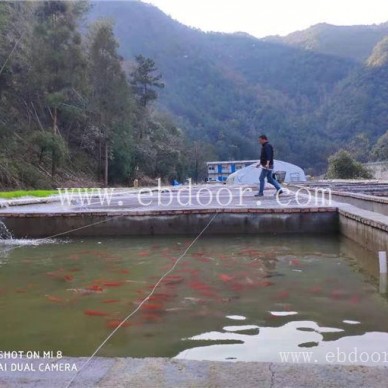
x: 220, y: 171
x: 250, y: 175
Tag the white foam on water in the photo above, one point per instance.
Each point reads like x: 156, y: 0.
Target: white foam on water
x: 351, y: 322
x: 236, y: 317
x: 283, y: 313
x: 28, y: 242
x: 241, y: 328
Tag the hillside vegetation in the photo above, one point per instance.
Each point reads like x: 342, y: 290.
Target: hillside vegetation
x: 69, y: 114
x: 227, y: 88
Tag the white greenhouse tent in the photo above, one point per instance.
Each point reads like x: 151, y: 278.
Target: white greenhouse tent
x: 250, y: 175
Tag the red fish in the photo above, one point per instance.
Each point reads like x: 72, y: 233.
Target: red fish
x: 54, y: 299
x: 225, y: 278
x: 282, y: 295
x: 202, y: 288
x: 198, y: 254
x: 152, y: 307
x: 159, y: 297
x: 60, y: 275
x: 237, y: 287
x: 355, y: 299
x: 95, y: 288
x: 173, y: 279
x: 315, y: 290
x: 265, y: 283
x: 113, y: 284
x: 337, y: 294
x: 204, y: 260
x: 295, y: 262
x: 95, y: 313
x: 151, y: 317
x: 114, y: 323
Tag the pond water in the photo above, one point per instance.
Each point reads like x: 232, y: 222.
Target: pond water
x: 231, y: 298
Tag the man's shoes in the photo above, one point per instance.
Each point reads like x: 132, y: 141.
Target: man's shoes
x: 259, y: 195
x: 279, y: 192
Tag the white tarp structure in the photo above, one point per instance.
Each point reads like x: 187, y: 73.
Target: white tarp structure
x: 250, y: 175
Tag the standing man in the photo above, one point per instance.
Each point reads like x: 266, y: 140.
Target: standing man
x: 266, y: 163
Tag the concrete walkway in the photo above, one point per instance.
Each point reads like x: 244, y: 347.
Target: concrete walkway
x: 169, y: 373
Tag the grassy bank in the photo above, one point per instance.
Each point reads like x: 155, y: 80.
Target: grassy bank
x: 27, y: 193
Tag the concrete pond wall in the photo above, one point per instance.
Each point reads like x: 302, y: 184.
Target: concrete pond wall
x: 253, y: 221
x: 367, y: 229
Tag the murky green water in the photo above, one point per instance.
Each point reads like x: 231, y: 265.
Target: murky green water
x: 235, y: 298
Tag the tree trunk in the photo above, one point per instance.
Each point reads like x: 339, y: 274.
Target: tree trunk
x: 52, y: 164
x: 55, y: 120
x: 106, y: 169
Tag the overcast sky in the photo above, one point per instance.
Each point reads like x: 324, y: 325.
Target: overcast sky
x: 272, y: 17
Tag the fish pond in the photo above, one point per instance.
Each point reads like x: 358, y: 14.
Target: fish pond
x: 241, y: 298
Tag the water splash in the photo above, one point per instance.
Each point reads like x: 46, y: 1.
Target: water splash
x: 5, y: 234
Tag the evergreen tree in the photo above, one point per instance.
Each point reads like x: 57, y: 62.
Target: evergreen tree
x: 110, y: 103
x: 144, y: 80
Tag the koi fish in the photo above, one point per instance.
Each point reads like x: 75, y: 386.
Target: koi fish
x: 95, y: 288
x: 205, y: 259
x: 152, y: 307
x: 337, y: 294
x: 315, y: 290
x: 68, y: 278
x: 54, y: 299
x: 202, y: 288
x: 282, y: 295
x: 355, y: 299
x: 225, y: 278
x: 237, y: 287
x: 159, y: 297
x: 95, y: 313
x: 173, y: 279
x: 113, y: 284
x: 115, y: 323
x: 265, y: 283
x: 60, y: 275
x: 198, y: 254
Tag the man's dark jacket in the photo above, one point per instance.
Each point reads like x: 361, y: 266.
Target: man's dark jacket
x: 267, y: 154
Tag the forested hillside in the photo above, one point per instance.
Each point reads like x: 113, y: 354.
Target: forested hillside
x: 69, y: 114
x: 352, y: 42
x: 227, y: 88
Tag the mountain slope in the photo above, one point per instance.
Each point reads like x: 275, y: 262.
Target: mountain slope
x: 226, y: 88
x: 352, y: 42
